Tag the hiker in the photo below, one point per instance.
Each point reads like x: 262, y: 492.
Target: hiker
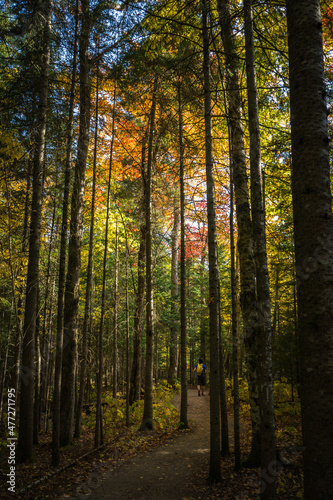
x: 201, y: 370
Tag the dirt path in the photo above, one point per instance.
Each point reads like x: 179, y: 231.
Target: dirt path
x: 167, y: 472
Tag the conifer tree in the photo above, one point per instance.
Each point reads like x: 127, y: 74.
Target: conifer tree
x: 25, y: 441
x: 74, y: 248
x: 214, y: 295
x: 313, y: 229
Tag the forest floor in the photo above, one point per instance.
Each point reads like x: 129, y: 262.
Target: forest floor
x: 156, y: 465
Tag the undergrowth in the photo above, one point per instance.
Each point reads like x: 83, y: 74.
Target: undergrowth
x: 120, y: 442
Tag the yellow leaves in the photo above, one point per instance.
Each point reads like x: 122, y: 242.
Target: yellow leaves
x: 10, y: 148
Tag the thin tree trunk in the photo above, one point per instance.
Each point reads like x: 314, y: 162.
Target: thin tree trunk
x: 183, y: 326
x: 174, y: 294
x: 45, y: 335
x: 223, y: 395
x: 214, y: 298
x: 62, y: 260
x: 127, y: 343
x: 86, y: 320
x: 264, y: 342
x: 49, y: 363
x: 203, y: 306
x: 156, y: 374
x: 25, y: 440
x: 223, y: 399
x: 147, y: 420
x: 99, y: 437
x: 20, y: 301
x: 313, y: 232
x: 37, y: 373
x: 276, y: 302
x: 240, y: 344
x: 136, y: 375
x: 16, y: 305
x: 138, y: 320
x: 4, y: 369
x: 74, y: 248
x: 115, y: 318
x: 234, y: 325
x: 245, y: 239
x: 106, y: 234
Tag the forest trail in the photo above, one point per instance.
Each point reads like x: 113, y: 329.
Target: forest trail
x: 166, y: 472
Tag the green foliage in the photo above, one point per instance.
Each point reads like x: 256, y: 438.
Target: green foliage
x: 166, y: 416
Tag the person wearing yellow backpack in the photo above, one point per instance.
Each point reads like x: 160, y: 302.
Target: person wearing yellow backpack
x: 201, y: 370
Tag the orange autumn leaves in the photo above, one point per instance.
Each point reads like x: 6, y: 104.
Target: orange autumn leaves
x: 129, y: 155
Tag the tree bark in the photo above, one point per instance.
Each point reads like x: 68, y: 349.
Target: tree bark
x: 136, y: 375
x: 115, y: 316
x: 203, y: 305
x: 106, y: 234
x: 245, y: 239
x: 214, y: 296
x: 62, y: 260
x: 37, y: 373
x: 235, y: 339
x: 3, y: 368
x: 147, y: 419
x: 45, y: 339
x: 276, y: 303
x: 313, y: 232
x: 225, y: 452
x: 183, y: 324
x: 138, y: 320
x: 127, y: 343
x: 25, y: 439
x: 75, y: 240
x: 264, y: 342
x: 86, y: 320
x: 20, y: 301
x: 174, y: 294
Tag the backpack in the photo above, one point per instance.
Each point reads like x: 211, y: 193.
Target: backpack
x: 200, y: 369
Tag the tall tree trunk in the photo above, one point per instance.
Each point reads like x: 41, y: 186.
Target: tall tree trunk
x: 155, y: 369
x: 75, y: 240
x: 62, y: 260
x: 136, y: 375
x: 115, y: 317
x: 264, y: 341
x: 138, y: 319
x: 183, y: 326
x: 203, y: 305
x: 45, y: 330
x: 3, y: 370
x: 106, y: 234
x: 147, y: 420
x: 20, y: 301
x: 127, y: 343
x: 49, y: 356
x: 16, y: 303
x: 86, y: 320
x: 223, y: 400
x: 99, y: 432
x: 235, y: 339
x: 174, y: 293
x: 37, y: 373
x: 25, y: 440
x: 313, y: 231
x: 214, y: 296
x: 276, y: 302
x: 245, y: 239
x: 240, y: 348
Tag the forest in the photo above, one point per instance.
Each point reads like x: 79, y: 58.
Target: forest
x: 166, y: 195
